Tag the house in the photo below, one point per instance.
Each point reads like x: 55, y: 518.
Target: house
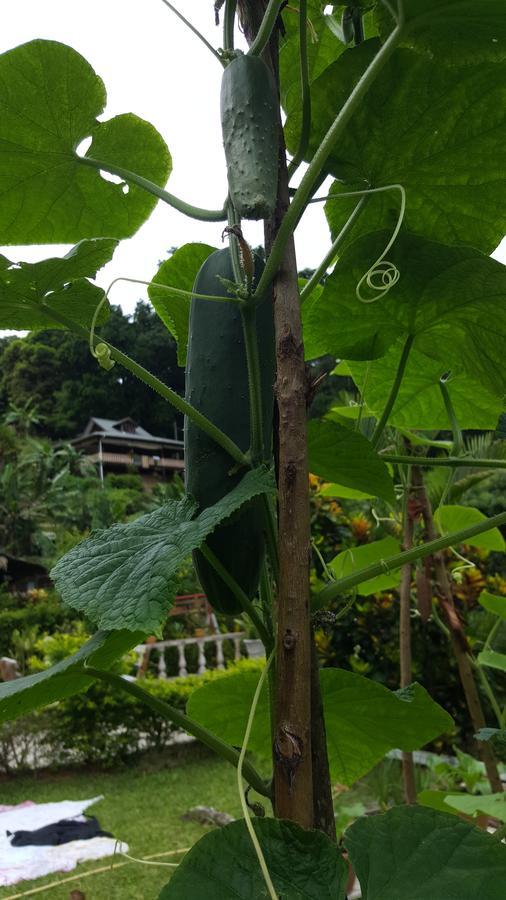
x: 125, y: 447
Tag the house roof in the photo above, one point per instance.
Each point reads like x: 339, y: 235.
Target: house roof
x: 124, y: 430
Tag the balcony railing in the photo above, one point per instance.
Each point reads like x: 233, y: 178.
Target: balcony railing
x: 182, y: 644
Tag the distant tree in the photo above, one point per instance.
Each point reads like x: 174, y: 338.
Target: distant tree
x: 54, y: 372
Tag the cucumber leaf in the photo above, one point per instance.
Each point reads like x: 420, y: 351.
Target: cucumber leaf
x: 422, y: 854
x: 67, y: 677
x: 437, y: 130
x: 50, y: 99
x: 180, y: 271
x: 493, y: 659
x: 419, y: 403
x: 363, y: 719
x: 223, y: 865
x: 356, y: 558
x: 452, y: 30
x: 346, y: 457
x: 454, y: 518
x: 123, y: 577
x: 59, y: 282
x: 451, y: 300
x: 493, y: 603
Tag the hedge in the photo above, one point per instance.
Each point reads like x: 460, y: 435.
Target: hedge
x: 99, y: 727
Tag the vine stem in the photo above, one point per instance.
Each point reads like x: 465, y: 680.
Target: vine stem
x: 238, y: 592
x: 242, y: 756
x: 305, y: 128
x: 317, y: 164
x: 447, y: 461
x: 194, y: 212
x: 183, y: 721
x: 267, y: 24
x: 343, y: 585
x: 177, y: 292
x: 249, y: 325
x: 328, y: 259
x: 156, y: 385
x: 195, y: 30
x: 394, y: 391
x: 228, y: 24
x: 408, y: 767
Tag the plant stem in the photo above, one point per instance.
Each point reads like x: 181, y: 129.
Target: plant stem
x: 153, y: 382
x: 323, y: 805
x: 238, y: 592
x: 447, y: 461
x: 249, y: 325
x: 408, y: 768
x: 305, y: 127
x: 293, y: 785
x: 183, y: 721
x: 264, y: 32
x: 343, y: 585
x: 488, y: 691
x: 316, y: 167
x: 228, y: 24
x: 195, y: 212
x: 195, y: 31
x: 394, y: 391
x: 457, y: 636
x: 331, y: 255
x: 177, y: 292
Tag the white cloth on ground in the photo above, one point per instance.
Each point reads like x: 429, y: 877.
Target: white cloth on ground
x: 24, y: 863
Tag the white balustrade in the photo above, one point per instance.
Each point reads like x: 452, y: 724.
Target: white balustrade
x: 181, y: 644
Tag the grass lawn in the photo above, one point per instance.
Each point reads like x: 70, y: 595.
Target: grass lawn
x: 141, y: 806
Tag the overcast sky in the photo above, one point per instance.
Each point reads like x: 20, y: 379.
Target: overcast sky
x: 153, y: 66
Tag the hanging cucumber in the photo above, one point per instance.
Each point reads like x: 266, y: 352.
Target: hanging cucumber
x: 217, y: 385
x: 250, y: 126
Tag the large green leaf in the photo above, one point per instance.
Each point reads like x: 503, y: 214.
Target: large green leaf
x: 493, y: 603
x: 437, y: 131
x: 455, y: 518
x: 364, y: 720
x: 493, y: 659
x: 489, y: 805
x: 123, y: 577
x: 356, y: 558
x: 338, y: 454
x: 412, y: 853
x: 223, y: 865
x: 179, y: 271
x: 66, y: 677
x: 60, y: 282
x: 420, y: 404
x: 323, y: 48
x: 452, y: 31
x: 50, y: 99
x: 451, y: 300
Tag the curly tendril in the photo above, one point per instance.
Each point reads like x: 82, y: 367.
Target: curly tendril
x: 381, y: 277
x: 101, y: 351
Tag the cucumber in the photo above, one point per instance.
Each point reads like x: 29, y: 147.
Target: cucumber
x: 217, y: 385
x: 250, y: 127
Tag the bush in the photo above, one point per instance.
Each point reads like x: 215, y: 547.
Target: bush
x: 102, y: 728
x: 48, y: 614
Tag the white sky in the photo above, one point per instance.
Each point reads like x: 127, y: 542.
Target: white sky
x: 153, y: 66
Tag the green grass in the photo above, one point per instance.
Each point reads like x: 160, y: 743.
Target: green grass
x: 142, y: 807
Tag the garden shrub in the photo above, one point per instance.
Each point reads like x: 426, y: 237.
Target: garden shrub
x: 100, y: 727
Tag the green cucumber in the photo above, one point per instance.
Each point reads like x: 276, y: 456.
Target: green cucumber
x: 250, y: 126
x: 217, y: 385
